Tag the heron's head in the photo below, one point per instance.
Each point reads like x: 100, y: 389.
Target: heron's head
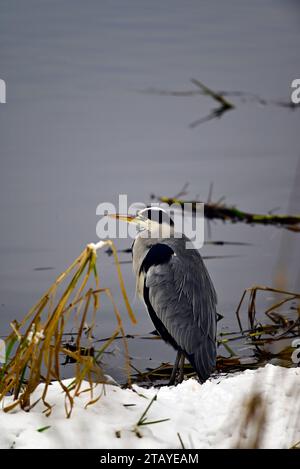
x: 148, y: 219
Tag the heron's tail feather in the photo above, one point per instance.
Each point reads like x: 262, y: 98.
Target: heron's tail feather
x: 204, y: 359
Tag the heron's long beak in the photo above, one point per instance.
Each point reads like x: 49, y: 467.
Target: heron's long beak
x: 126, y: 218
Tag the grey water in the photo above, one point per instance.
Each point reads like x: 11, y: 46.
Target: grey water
x: 78, y: 129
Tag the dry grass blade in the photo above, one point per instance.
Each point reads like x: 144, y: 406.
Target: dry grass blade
x: 34, y: 347
x: 252, y: 424
x: 213, y: 94
x: 282, y: 327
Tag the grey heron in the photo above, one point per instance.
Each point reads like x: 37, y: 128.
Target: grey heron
x: 177, y: 290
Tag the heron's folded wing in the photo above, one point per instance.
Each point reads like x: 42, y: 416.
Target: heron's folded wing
x: 184, y: 299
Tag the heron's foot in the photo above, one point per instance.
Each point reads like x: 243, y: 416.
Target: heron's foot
x: 176, y: 379
x: 179, y: 364
x: 175, y: 368
x: 173, y: 375
x: 181, y: 369
x: 172, y: 381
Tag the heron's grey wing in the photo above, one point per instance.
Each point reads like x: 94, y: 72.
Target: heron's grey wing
x: 183, y: 297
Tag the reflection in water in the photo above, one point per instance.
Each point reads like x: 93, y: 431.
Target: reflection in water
x: 220, y: 97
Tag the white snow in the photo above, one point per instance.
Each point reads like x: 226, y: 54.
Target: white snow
x: 205, y: 416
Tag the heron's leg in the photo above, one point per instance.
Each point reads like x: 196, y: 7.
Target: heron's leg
x: 175, y: 368
x: 181, y: 368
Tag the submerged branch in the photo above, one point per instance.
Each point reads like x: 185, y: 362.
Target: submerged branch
x: 220, y: 211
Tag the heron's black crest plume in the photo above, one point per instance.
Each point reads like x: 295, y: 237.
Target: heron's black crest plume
x: 157, y: 214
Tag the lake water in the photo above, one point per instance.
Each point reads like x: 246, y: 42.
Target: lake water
x: 77, y: 130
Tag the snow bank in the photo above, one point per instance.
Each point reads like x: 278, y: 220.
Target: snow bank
x: 205, y: 416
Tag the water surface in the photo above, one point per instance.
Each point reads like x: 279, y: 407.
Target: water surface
x: 77, y: 131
